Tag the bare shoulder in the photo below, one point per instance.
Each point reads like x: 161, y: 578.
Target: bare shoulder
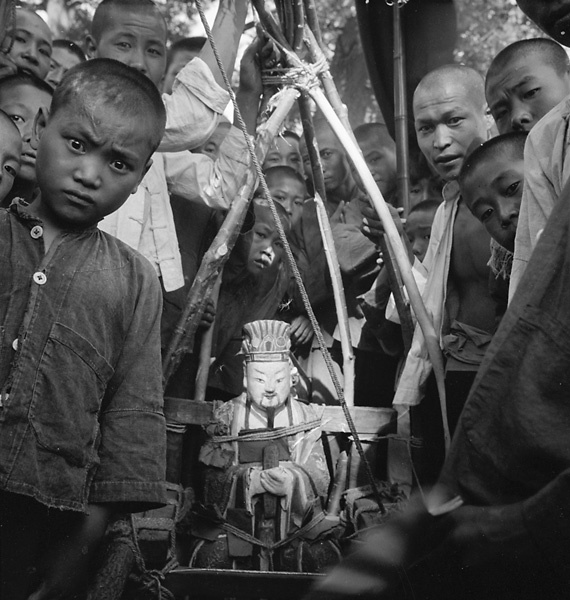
x: 471, y: 246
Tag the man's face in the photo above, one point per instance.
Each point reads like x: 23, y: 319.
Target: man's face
x: 10, y: 151
x: 290, y: 193
x: 178, y: 62
x: 447, y: 124
x: 493, y: 193
x: 88, y: 164
x: 268, y: 383
x: 137, y: 39
x: 381, y: 160
x: 22, y: 102
x: 62, y: 60
x: 418, y: 230
x: 524, y: 91
x: 284, y: 152
x: 333, y: 159
x: 31, y: 44
x: 552, y: 16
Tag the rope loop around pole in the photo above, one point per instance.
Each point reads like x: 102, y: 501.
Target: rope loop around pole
x: 304, y: 77
x: 400, y: 3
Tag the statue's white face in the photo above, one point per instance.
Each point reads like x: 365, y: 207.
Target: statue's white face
x: 268, y: 383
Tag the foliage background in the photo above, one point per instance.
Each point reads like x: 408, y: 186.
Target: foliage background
x: 485, y: 26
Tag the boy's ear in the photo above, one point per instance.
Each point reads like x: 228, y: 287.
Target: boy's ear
x: 144, y: 172
x: 40, y: 122
x: 90, y: 46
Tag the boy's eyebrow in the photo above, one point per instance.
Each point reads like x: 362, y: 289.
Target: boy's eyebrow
x: 42, y: 40
x: 131, y: 35
x: 96, y: 140
x: 515, y: 87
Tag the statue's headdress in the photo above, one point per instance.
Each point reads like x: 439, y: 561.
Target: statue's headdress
x: 266, y: 341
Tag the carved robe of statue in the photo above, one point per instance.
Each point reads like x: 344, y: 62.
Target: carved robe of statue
x: 266, y: 466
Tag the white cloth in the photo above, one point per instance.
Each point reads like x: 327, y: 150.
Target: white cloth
x: 145, y: 222
x: 546, y: 169
x: 418, y: 365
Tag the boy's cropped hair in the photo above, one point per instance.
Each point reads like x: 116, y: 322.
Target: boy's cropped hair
x: 290, y: 134
x: 553, y: 53
x: 71, y: 47
x: 366, y: 130
x: 280, y: 171
x: 101, y: 12
x: 512, y: 142
x: 25, y: 78
x: 261, y: 204
x: 105, y: 81
x: 188, y: 44
x: 425, y: 205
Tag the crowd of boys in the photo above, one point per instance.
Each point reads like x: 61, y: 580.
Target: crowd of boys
x: 110, y: 194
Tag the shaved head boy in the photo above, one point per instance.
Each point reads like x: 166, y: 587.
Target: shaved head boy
x: 525, y: 81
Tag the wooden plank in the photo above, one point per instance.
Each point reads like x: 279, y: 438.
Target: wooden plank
x: 367, y: 420
x: 222, y: 583
x: 188, y: 412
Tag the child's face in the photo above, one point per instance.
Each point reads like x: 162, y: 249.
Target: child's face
x: 89, y: 161
x: 21, y: 103
x: 493, y: 193
x: 290, y: 193
x: 284, y: 152
x: 10, y: 150
x: 418, y: 230
x: 422, y: 189
x: 31, y: 47
x: 178, y: 62
x: 266, y: 248
x: 524, y: 91
x: 381, y: 161
x: 211, y: 147
x: 135, y: 38
x: 61, y: 61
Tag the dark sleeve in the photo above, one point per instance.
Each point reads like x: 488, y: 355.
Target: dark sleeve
x: 132, y: 450
x: 547, y: 517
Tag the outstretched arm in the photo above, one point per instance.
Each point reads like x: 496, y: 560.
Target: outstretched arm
x: 227, y: 29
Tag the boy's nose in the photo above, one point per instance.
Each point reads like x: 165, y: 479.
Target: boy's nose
x: 269, y: 252
x: 31, y: 55
x: 137, y: 60
x: 521, y: 119
x: 88, y: 174
x: 509, y: 216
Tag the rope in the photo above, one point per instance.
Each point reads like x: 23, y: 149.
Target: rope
x: 273, y: 546
x: 296, y: 274
x: 275, y: 434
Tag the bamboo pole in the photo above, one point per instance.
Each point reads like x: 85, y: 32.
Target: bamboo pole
x: 396, y: 286
x: 310, y: 142
x: 401, y: 110
x: 387, y: 252
x: 339, y: 300
x: 206, y: 349
x: 219, y: 250
x: 400, y: 253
